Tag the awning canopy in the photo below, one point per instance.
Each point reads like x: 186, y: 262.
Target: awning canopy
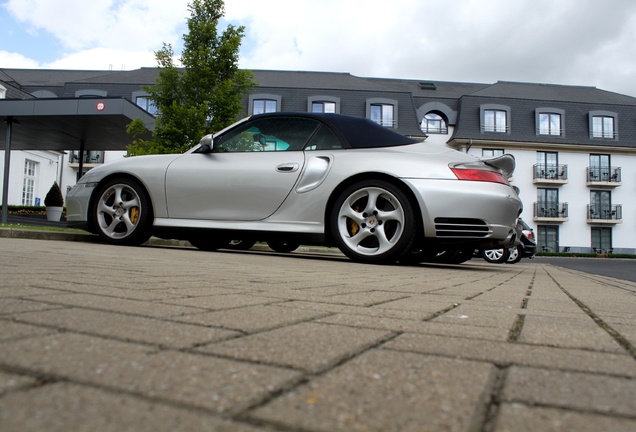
x: 66, y: 124
x: 70, y: 124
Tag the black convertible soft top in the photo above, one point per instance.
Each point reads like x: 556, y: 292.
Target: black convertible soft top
x: 356, y: 131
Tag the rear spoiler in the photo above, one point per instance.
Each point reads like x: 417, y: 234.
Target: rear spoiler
x: 504, y: 163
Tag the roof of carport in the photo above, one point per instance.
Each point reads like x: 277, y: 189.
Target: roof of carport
x: 63, y: 124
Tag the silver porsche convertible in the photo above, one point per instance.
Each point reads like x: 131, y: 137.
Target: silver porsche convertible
x: 301, y: 178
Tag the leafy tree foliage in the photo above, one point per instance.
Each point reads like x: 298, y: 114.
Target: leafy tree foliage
x: 203, y: 96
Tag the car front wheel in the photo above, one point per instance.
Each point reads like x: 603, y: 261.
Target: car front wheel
x: 373, y: 222
x: 122, y: 213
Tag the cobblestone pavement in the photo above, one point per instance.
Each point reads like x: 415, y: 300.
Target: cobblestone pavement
x: 101, y: 338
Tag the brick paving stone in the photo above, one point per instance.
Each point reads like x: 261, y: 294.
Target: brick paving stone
x: 65, y: 407
x: 218, y: 385
x: 10, y: 382
x: 426, y: 303
x: 220, y: 302
x: 309, y: 346
x: 17, y: 290
x: 384, y: 390
x: 568, y: 333
x: 417, y: 326
x: 252, y: 319
x: 479, y: 315
x: 128, y: 328
x: 584, y: 392
x: 520, y: 354
x: 9, y: 306
x: 12, y: 330
x: 118, y: 304
x: 522, y: 418
x: 370, y: 311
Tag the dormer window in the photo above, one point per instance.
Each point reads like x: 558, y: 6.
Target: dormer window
x: 603, y: 124
x: 383, y: 112
x: 495, y: 118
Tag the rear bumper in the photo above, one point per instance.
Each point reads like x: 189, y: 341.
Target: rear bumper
x: 480, y: 214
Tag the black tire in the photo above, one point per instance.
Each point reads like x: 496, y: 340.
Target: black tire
x: 240, y: 244
x: 418, y: 256
x: 283, y: 246
x: 373, y: 222
x: 122, y: 212
x: 496, y: 256
x: 516, y: 254
x: 209, y: 242
x: 461, y: 256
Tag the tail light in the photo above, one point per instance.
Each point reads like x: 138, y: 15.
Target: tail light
x: 472, y: 174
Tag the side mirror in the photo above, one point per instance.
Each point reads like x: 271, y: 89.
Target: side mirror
x: 206, y: 144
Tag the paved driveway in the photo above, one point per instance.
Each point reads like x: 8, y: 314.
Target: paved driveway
x: 96, y: 337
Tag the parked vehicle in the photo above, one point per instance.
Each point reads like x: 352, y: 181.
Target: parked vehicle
x: 292, y: 178
x: 526, y: 249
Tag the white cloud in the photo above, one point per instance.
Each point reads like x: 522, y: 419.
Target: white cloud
x: 104, y: 59
x: 583, y: 42
x: 114, y: 24
x: 15, y: 60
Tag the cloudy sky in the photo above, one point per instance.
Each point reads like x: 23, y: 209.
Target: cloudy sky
x: 577, y: 42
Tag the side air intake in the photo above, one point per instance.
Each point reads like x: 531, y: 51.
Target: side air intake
x: 461, y: 227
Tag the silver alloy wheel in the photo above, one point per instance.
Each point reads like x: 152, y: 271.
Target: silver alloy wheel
x: 374, y: 229
x: 514, y: 254
x: 119, y: 211
x: 493, y: 255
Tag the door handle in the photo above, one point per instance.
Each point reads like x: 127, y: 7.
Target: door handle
x: 287, y: 168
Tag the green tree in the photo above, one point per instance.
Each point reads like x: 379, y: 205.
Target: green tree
x: 203, y: 96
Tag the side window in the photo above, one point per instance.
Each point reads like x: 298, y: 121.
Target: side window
x: 324, y: 139
x: 267, y: 134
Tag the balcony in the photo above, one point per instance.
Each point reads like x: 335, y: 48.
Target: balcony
x: 549, y: 174
x: 550, y: 212
x: 603, y: 176
x: 90, y: 158
x: 607, y: 215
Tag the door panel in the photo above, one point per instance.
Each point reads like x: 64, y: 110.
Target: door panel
x: 243, y: 186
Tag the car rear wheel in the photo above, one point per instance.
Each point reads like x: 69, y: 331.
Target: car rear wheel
x: 373, y: 222
x: 283, y: 246
x: 516, y: 254
x: 122, y: 213
x: 496, y: 256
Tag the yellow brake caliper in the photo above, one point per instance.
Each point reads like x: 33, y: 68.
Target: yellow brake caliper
x: 134, y: 214
x: 353, y: 225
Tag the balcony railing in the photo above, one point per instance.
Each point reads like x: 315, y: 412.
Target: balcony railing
x: 550, y: 210
x: 603, y: 174
x: 550, y: 172
x: 386, y: 123
x: 89, y: 157
x: 605, y: 213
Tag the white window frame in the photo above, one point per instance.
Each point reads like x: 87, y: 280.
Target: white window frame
x: 608, y: 129
x: 388, y: 111
x: 265, y: 98
x: 28, y: 183
x: 495, y: 119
